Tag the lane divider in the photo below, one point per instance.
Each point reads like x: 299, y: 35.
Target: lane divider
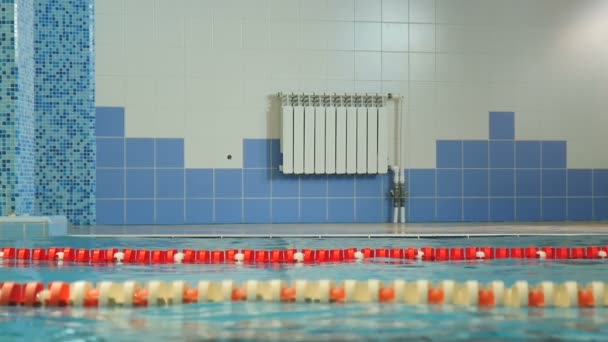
x: 145, y: 256
x: 421, y: 292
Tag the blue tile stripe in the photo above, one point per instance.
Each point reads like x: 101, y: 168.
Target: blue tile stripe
x: 499, y: 180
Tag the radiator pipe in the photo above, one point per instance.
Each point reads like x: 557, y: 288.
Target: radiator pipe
x: 402, y: 194
x: 396, y: 193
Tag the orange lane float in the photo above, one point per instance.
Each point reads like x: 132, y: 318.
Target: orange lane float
x: 420, y: 292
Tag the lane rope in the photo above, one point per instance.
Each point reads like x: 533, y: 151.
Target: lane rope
x: 337, y: 255
x: 421, y: 292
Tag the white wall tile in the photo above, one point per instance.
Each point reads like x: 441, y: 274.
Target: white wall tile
x: 395, y: 37
x: 109, y: 28
x: 462, y: 11
x: 144, y: 8
x: 170, y: 8
x: 110, y: 59
x: 198, y: 8
x: 109, y: 6
x: 170, y: 122
x: 313, y: 64
x: 169, y: 61
x: 283, y: 65
x: 255, y: 34
x: 110, y: 90
x: 140, y: 60
x: 140, y: 120
x: 422, y: 38
x: 422, y: 66
x: 199, y: 32
x: 463, y: 38
x: 368, y: 87
x: 170, y: 31
x: 461, y: 67
x: 341, y: 10
x: 140, y: 90
x: 284, y: 9
x: 171, y: 92
x: 397, y: 88
x: 340, y: 65
x: 313, y: 9
x: 367, y: 36
x: 227, y: 33
x: 395, y: 11
x: 340, y: 35
x: 254, y: 9
x: 256, y: 64
x: 422, y: 98
x: 368, y: 66
x: 340, y: 86
x: 198, y: 95
x: 422, y: 11
x: 368, y: 10
x: 139, y: 30
x: 313, y: 35
x: 394, y: 66
x: 284, y: 35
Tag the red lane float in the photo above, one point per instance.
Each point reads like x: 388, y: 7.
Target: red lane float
x: 277, y: 256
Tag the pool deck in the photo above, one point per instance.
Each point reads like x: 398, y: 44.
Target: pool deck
x: 343, y: 230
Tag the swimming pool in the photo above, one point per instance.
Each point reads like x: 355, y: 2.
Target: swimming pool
x: 264, y: 321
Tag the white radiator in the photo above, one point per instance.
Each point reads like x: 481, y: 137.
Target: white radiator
x: 322, y: 134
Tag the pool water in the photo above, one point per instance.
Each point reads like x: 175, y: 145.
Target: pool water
x: 308, y: 322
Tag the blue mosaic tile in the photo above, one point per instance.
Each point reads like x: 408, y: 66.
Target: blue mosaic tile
x: 64, y: 109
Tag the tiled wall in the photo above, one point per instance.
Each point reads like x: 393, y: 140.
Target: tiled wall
x: 503, y: 179
x: 65, y: 113
x: 144, y: 181
x: 16, y: 107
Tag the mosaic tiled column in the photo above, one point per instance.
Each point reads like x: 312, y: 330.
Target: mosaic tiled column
x: 16, y: 107
x: 65, y: 111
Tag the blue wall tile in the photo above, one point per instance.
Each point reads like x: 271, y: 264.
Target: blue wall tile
x: 256, y: 153
x: 199, y: 211
x: 257, y: 211
x: 110, y: 122
x: 110, y: 183
x: 475, y: 209
x: 449, y: 183
x: 475, y: 154
x: 600, y: 182
x: 528, y: 209
x: 554, y: 209
x: 502, y: 125
x: 579, y: 182
x: 554, y: 182
x: 528, y: 182
x: 140, y: 211
x: 502, y: 154
x: 340, y: 186
x: 580, y: 209
x: 313, y: 186
x: 170, y: 183
x: 527, y: 154
x: 422, y: 182
x: 257, y: 182
x: 600, y: 208
x: 475, y: 183
x: 170, y: 152
x: 313, y: 210
x: 140, y: 183
x: 110, y: 152
x: 502, y: 209
x: 368, y: 210
x: 199, y: 183
x: 502, y: 183
x: 341, y: 210
x: 449, y: 153
x: 228, y: 210
x: 285, y: 210
x: 276, y: 158
x: 368, y: 185
x: 554, y: 154
x: 110, y: 211
x: 285, y: 185
x: 228, y: 183
x: 140, y: 152
x: 421, y: 210
x: 169, y: 211
x: 449, y: 209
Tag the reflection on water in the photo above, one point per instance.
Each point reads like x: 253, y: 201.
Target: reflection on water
x: 292, y: 322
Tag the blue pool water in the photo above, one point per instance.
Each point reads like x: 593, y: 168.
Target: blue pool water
x: 308, y: 322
